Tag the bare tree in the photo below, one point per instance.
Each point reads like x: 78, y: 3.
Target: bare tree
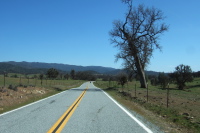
x: 137, y: 37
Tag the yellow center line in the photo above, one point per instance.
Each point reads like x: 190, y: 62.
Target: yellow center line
x: 59, y: 125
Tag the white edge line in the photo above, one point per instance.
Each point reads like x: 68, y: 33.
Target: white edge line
x: 35, y: 102
x: 128, y: 113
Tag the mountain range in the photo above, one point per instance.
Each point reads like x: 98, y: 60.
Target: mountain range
x: 35, y: 67
x: 40, y: 67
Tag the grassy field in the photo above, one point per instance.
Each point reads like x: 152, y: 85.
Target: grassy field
x: 31, y: 81
x: 184, y: 105
x: 29, y: 90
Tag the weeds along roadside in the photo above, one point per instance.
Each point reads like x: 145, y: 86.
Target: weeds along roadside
x: 176, y: 116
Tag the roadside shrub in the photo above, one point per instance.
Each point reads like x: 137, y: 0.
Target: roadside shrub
x: 25, y: 86
x: 32, y: 85
x: 11, y: 87
x: 14, y: 76
x: 20, y: 85
x: 58, y: 89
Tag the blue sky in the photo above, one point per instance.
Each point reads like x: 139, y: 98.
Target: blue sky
x: 77, y: 32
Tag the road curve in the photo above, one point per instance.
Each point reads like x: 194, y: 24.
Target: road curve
x: 95, y: 113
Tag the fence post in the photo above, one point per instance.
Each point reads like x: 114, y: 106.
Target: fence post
x: 20, y: 80
x: 35, y: 81
x: 168, y: 96
x: 135, y: 90
x: 147, y: 92
x: 4, y: 79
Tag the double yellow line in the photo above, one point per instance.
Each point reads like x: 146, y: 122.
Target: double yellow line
x: 59, y: 125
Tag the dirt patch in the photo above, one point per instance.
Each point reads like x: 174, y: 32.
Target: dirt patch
x: 10, y: 98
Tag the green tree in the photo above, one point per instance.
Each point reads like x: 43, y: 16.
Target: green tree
x: 72, y: 74
x: 61, y: 76
x: 153, y: 79
x: 85, y: 75
x: 34, y: 76
x: 182, y: 74
x: 66, y: 76
x: 52, y: 73
x: 163, y: 80
x: 122, y: 79
x: 41, y: 77
x: 137, y: 37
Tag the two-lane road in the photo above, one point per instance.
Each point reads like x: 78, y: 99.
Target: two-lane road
x: 86, y: 109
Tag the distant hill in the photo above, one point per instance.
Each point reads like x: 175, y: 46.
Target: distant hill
x: 62, y: 67
x: 9, y: 68
x: 152, y: 73
x: 39, y: 67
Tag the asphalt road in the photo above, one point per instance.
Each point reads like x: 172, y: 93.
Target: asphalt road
x: 96, y: 113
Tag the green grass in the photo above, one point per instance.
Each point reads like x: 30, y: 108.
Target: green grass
x: 35, y: 82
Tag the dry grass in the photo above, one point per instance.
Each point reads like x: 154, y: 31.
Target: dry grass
x: 10, y: 99
x: 30, y: 91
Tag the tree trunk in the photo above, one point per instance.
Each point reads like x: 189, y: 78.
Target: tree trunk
x: 140, y: 70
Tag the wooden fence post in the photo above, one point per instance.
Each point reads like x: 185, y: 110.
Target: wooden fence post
x: 135, y: 90
x: 147, y: 92
x: 4, y: 79
x: 168, y: 96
